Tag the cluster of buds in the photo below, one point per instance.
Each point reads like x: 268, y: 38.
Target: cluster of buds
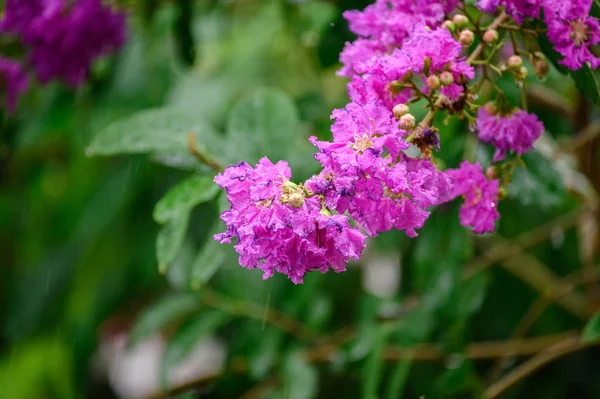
x: 406, y: 121
x: 459, y: 25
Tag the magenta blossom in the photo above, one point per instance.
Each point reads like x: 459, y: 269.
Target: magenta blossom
x: 280, y: 226
x: 385, y: 24
x: 518, y: 9
x: 481, y: 197
x: 13, y: 80
x: 64, y: 37
x: 573, y: 31
x: 515, y: 131
x: 366, y: 174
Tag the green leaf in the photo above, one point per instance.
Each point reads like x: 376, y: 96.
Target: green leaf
x: 157, y: 131
x: 587, y: 82
x: 266, y: 353
x: 471, y: 295
x: 373, y: 370
x: 459, y: 377
x: 538, y: 183
x: 591, y: 332
x: 189, y: 336
x: 399, y: 378
x: 210, y: 258
x: 265, y: 123
x: 165, y: 310
x: 301, y: 380
x: 319, y: 312
x: 185, y: 196
x: 170, y: 239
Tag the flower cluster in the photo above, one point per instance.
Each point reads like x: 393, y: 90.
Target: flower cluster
x: 515, y: 130
x: 383, y: 26
x: 61, y: 39
x: 570, y: 27
x: 379, y: 169
x: 281, y: 226
x: 481, y: 197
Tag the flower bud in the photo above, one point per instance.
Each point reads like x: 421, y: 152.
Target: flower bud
x: 427, y: 65
x: 541, y: 68
x: 400, y: 110
x: 522, y: 74
x: 460, y: 21
x: 490, y: 36
x: 490, y: 108
x: 491, y: 172
x: 502, y: 192
x: 514, y: 62
x: 407, y: 76
x: 446, y: 78
x: 407, y: 122
x: 448, y: 25
x: 433, y: 82
x: 466, y: 37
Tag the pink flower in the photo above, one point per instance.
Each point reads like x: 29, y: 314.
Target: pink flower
x: 366, y: 174
x: 515, y: 131
x: 481, y: 197
x: 385, y: 24
x: 573, y: 31
x: 518, y: 9
x: 424, y: 52
x: 14, y: 82
x: 280, y: 227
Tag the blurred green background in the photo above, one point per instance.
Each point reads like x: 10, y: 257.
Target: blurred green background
x: 86, y: 313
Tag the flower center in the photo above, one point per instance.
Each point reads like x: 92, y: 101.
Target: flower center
x: 579, y: 31
x: 362, y: 143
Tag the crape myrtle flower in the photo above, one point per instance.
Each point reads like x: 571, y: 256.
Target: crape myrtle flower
x: 426, y: 52
x: 479, y: 209
x: 507, y: 128
x: 64, y: 37
x: 384, y: 25
x: 573, y: 31
x: 13, y: 81
x: 517, y: 9
x: 280, y: 226
x: 366, y: 174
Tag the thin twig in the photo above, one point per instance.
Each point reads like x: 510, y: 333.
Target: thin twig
x: 575, y: 279
x: 566, y: 346
x: 479, y: 350
x: 530, y: 270
x: 587, y: 134
x: 549, y: 99
x: 494, y: 25
x: 322, y: 353
x: 200, y: 156
x: 498, y: 253
x: 251, y: 310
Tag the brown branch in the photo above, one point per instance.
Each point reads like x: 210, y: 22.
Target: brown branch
x: 533, y: 272
x: 568, y: 345
x: 575, y: 279
x: 479, y: 350
x: 322, y: 353
x: 544, y: 97
x: 501, y: 252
